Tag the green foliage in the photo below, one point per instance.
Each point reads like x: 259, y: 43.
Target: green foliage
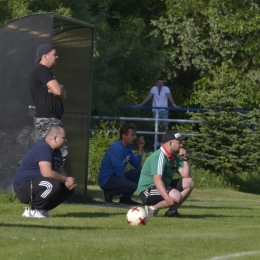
x: 245, y: 182
x: 226, y: 141
x: 200, y: 35
x: 7, y: 197
x: 204, y: 179
x: 12, y: 9
x: 98, y: 144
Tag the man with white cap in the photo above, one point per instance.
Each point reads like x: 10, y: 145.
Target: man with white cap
x: 47, y: 93
x: 156, y: 188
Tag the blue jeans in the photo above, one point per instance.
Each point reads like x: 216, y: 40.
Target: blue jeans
x: 162, y: 115
x: 127, y: 186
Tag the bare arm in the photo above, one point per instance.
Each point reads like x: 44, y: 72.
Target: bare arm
x: 141, y: 144
x: 62, y: 172
x: 169, y: 95
x: 148, y: 97
x: 185, y: 172
x: 55, y: 88
x: 162, y: 190
x: 47, y: 172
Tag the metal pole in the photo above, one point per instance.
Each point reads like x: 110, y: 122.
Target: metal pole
x: 156, y: 129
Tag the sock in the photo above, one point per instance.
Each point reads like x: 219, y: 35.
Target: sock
x: 153, y: 208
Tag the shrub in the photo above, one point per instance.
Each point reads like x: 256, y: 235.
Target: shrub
x: 205, y: 179
x: 100, y: 140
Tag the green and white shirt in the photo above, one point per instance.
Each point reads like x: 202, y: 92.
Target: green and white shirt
x: 159, y: 163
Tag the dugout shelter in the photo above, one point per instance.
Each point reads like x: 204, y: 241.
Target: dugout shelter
x: 73, y: 40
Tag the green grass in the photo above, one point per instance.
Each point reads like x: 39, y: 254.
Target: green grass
x: 215, y: 223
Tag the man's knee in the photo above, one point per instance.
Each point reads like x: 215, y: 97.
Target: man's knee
x: 188, y: 183
x: 176, y: 195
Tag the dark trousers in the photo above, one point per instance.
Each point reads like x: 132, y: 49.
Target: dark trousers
x: 46, y: 193
x: 127, y: 186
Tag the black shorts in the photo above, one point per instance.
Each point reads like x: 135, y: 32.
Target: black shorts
x: 151, y: 195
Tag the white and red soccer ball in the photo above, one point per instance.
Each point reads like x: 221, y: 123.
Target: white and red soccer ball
x: 136, y: 216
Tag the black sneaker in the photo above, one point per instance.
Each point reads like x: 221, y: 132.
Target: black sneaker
x: 174, y: 214
x: 129, y: 202
x: 107, y: 198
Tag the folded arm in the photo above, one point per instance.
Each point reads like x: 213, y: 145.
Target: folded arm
x: 56, y: 89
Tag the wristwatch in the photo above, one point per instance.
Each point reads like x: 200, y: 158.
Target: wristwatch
x: 186, y: 159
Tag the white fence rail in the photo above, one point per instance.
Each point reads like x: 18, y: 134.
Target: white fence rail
x: 156, y: 120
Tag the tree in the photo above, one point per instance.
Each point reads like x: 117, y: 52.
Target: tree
x: 200, y: 35
x: 227, y: 141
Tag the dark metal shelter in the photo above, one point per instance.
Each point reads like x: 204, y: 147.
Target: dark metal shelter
x: 73, y: 41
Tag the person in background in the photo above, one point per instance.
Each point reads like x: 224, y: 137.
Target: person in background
x: 160, y: 94
x: 112, y: 178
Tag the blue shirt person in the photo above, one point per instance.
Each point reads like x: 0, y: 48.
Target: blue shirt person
x: 112, y: 178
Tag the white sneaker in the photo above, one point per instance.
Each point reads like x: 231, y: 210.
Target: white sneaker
x: 36, y: 213
x: 26, y: 213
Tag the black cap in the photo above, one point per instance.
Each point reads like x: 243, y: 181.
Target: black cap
x: 171, y: 135
x: 43, y: 49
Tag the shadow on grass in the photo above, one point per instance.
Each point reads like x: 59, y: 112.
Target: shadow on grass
x: 207, y: 207
x: 32, y: 225
x: 214, y: 216
x: 89, y: 214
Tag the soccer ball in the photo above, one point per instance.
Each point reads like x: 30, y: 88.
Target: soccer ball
x: 136, y: 216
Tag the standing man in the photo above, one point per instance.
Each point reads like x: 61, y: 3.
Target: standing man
x: 46, y: 92
x: 40, y: 180
x: 160, y: 94
x: 112, y: 178
x: 156, y: 188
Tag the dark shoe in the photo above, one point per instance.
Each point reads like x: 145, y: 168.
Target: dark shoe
x: 129, y: 202
x: 174, y: 214
x: 107, y: 198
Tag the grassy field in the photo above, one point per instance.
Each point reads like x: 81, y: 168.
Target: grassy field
x: 217, y: 224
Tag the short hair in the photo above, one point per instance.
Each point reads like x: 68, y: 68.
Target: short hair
x: 54, y: 131
x: 125, y: 128
x: 159, y: 79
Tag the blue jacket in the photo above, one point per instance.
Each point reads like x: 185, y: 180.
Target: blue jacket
x: 115, y: 160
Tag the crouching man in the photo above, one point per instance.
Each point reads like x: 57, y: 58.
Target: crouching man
x: 40, y: 180
x: 156, y: 188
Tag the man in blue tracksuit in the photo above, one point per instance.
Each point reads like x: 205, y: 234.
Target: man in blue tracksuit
x: 112, y: 178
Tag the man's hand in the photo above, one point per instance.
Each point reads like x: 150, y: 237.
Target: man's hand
x: 141, y: 142
x: 174, y: 105
x: 70, y: 183
x: 170, y: 201
x: 73, y: 187
x: 182, y: 153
